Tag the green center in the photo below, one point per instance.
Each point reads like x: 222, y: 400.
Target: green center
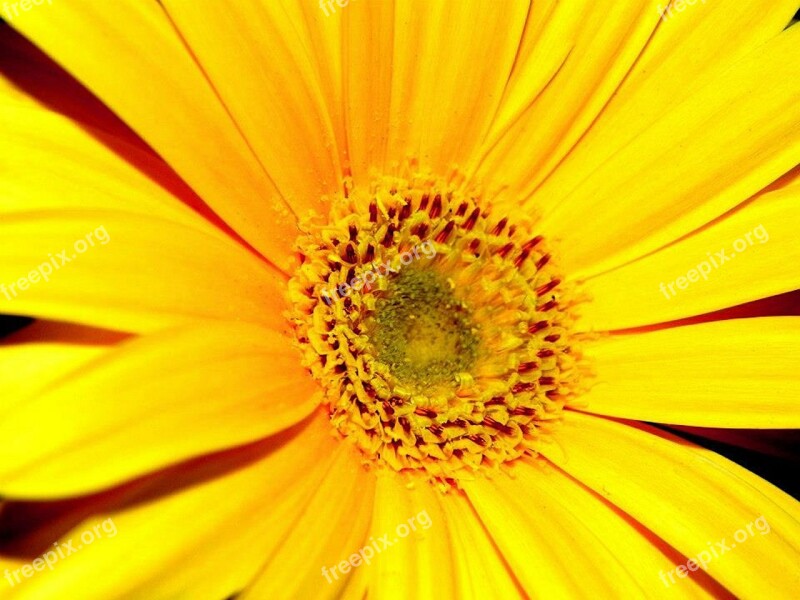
x: 422, y: 331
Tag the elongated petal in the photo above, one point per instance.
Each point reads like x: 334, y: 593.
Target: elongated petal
x: 35, y: 356
x: 690, y: 498
x: 410, y: 563
x: 174, y: 395
x: 129, y: 272
x: 131, y: 57
x: 257, y: 59
x: 84, y: 155
x: 580, y: 60
x: 29, y: 77
x: 735, y: 373
x: 424, y: 79
x: 720, y: 266
x: 688, y: 47
x: 682, y: 173
x: 535, y: 537
x: 168, y: 535
x: 551, y: 31
x: 542, y: 514
x: 50, y: 162
x: 480, y: 570
x: 367, y: 51
x: 433, y: 545
x: 339, y: 515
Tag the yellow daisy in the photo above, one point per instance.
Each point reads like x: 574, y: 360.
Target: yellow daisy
x: 376, y: 299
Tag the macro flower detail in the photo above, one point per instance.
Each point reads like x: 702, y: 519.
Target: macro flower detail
x: 453, y: 363
x: 390, y: 299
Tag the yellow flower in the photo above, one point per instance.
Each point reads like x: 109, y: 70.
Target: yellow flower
x: 376, y: 299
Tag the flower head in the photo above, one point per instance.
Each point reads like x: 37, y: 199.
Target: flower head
x: 383, y: 301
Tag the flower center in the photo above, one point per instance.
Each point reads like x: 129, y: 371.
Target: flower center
x: 422, y: 331
x: 441, y: 334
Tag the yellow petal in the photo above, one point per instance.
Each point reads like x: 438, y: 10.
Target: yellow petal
x: 51, y: 162
x: 256, y: 57
x: 339, y: 517
x: 35, y: 356
x: 479, y: 569
x: 324, y: 37
x: 367, y: 52
x: 720, y: 266
x: 413, y: 554
x: 583, y: 56
x: 84, y: 155
x: 29, y: 77
x: 690, y: 498
x: 201, y: 530
x: 355, y: 588
x: 541, y: 515
x: 432, y: 545
x: 689, y: 46
x: 551, y: 32
x: 424, y: 79
x: 727, y: 141
x: 733, y: 373
x: 130, y: 56
x: 131, y: 273
x: 537, y: 535
x: 173, y: 395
